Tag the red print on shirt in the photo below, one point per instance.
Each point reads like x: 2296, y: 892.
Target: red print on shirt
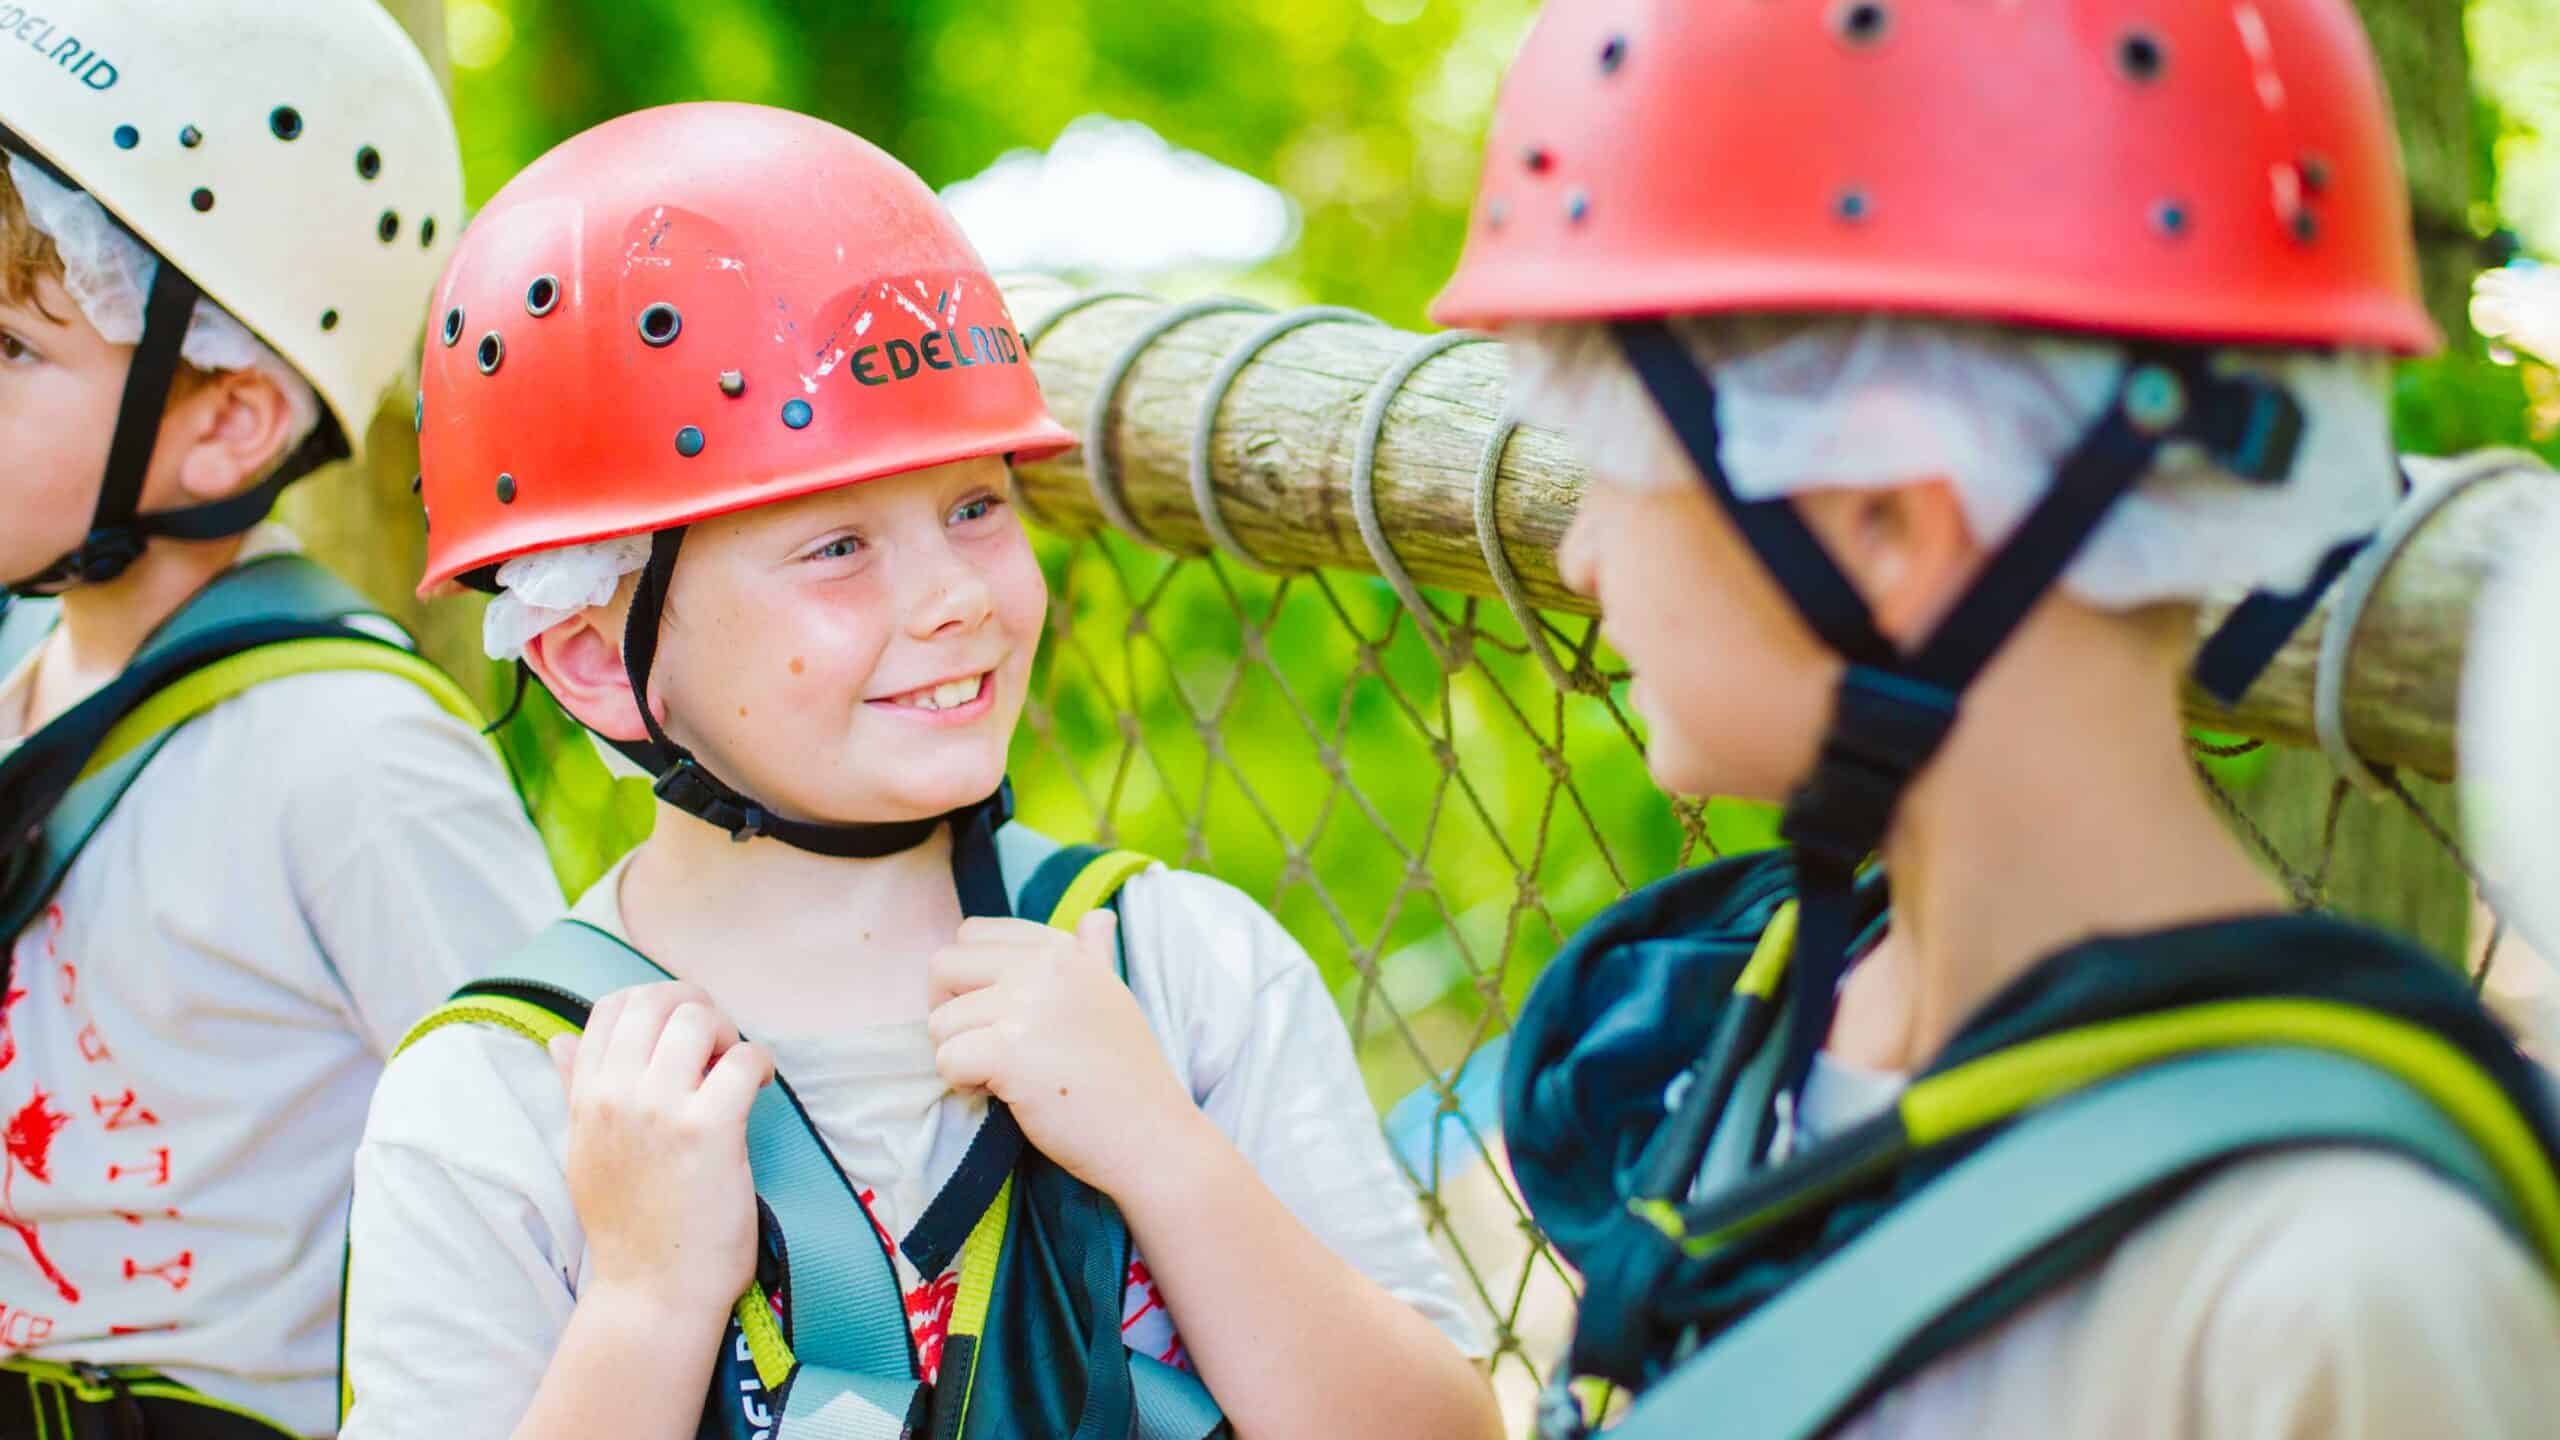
x: 23, y: 1329
x: 175, y: 1271
x: 122, y: 1112
x: 30, y: 1148
x: 8, y: 1037
x: 93, y: 1046
x: 153, y: 1171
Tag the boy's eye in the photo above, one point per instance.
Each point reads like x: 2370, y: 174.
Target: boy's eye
x: 977, y: 509
x: 843, y: 547
x: 13, y: 349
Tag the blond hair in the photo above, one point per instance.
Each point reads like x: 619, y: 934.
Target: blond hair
x: 27, y: 254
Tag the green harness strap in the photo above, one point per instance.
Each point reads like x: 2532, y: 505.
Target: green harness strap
x: 847, y: 1372
x: 1796, y: 1366
x: 281, y: 590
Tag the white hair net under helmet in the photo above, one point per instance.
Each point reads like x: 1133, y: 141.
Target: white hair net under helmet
x: 1863, y: 402
x: 108, y: 274
x: 540, y: 590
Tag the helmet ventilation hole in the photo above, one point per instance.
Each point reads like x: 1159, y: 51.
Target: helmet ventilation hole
x: 1862, y: 22
x: 190, y: 137
x: 453, y: 326
x: 427, y: 233
x: 328, y: 319
x: 659, y: 325
x: 2141, y: 57
x: 542, y: 296
x: 369, y: 163
x: 286, y: 122
x: 202, y: 200
x: 493, y: 353
x: 388, y: 227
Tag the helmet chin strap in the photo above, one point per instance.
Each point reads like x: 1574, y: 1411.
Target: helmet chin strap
x: 118, y: 530
x: 683, y: 782
x: 1895, y: 708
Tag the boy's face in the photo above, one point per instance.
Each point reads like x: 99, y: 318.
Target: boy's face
x: 806, y: 643
x: 61, y: 385
x: 1733, y: 689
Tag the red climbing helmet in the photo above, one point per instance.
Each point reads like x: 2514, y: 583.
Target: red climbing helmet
x: 697, y: 309
x: 2216, y: 172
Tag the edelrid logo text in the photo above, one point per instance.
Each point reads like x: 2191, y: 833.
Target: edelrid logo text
x: 43, y: 36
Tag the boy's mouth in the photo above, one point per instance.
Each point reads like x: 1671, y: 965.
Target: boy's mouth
x: 942, y: 695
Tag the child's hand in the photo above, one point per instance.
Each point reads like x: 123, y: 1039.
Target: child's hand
x: 1040, y: 1019
x: 659, y: 1086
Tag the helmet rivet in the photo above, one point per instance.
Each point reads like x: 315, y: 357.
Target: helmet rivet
x: 733, y: 383
x: 2154, y: 400
x: 493, y: 353
x: 190, y: 137
x: 1577, y: 207
x: 369, y: 163
x: 689, y: 442
x: 328, y: 319
x: 659, y: 325
x: 506, y: 489
x: 427, y: 233
x: 453, y: 326
x: 2170, y: 217
x: 1861, y: 22
x: 2315, y: 173
x: 127, y: 137
x: 796, y: 414
x: 2306, y: 226
x: 417, y: 483
x: 542, y: 296
x: 202, y: 200
x: 1851, y: 206
x: 388, y: 227
x: 286, y: 122
x: 1613, y: 54
x: 2141, y: 57
x: 1537, y: 159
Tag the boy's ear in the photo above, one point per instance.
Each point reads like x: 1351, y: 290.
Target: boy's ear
x: 1907, y: 548
x: 580, y: 662
x: 233, y: 428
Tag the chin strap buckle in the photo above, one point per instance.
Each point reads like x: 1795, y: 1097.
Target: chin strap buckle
x: 1884, y: 728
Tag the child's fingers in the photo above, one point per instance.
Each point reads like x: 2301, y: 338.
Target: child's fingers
x: 644, y: 1016
x: 564, y: 1060
x: 964, y: 1012
x: 972, y: 1059
x: 602, y: 1019
x: 683, y: 1052
x: 1098, y: 937
x: 960, y: 969
x: 1002, y: 930
x: 730, y: 1089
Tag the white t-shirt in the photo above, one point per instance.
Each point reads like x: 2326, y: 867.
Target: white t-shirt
x: 192, y: 1029
x: 2320, y: 1294
x: 468, y: 1252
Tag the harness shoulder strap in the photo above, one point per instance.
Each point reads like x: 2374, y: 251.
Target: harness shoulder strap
x: 23, y: 626
x: 1797, y: 1365
x: 268, y: 619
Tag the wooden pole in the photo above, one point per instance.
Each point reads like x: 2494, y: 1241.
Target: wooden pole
x: 1281, y: 463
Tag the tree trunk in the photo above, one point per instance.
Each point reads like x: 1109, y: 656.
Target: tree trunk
x: 362, y: 521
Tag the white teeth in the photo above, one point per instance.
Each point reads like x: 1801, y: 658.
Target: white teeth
x: 944, y: 697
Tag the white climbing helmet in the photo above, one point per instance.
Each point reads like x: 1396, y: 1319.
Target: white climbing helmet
x: 294, y: 157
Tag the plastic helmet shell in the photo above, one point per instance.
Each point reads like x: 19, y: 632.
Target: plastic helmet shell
x: 2198, y: 171
x: 295, y: 158
x: 697, y: 309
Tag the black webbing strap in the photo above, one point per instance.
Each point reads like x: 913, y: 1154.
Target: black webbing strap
x: 96, y: 1403
x: 114, y: 542
x: 685, y: 783
x: 2248, y: 639
x: 1892, y: 712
